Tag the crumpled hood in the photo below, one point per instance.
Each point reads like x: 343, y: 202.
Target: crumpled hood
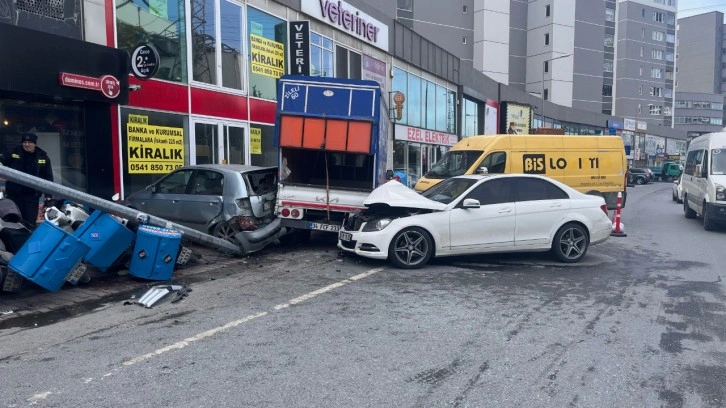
x: 396, y: 194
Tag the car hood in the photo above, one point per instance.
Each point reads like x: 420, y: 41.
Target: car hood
x: 395, y: 194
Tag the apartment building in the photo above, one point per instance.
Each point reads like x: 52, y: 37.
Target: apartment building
x: 701, y: 74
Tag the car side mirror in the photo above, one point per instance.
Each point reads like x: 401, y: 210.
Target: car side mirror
x: 389, y: 174
x: 482, y: 170
x: 151, y: 188
x: 470, y: 203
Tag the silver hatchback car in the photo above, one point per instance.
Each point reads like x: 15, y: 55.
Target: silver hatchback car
x: 230, y: 201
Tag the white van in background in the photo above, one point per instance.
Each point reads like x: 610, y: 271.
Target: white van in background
x: 704, y: 180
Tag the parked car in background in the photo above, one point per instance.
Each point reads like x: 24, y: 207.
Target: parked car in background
x: 639, y: 175
x: 476, y: 214
x: 232, y: 202
x: 678, y: 190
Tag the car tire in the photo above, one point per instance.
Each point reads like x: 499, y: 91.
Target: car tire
x: 675, y: 197
x: 411, y: 248
x: 708, y: 223
x: 639, y: 181
x: 570, y: 243
x: 687, y: 211
x: 227, y: 231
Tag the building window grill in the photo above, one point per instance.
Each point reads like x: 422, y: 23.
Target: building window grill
x: 47, y: 8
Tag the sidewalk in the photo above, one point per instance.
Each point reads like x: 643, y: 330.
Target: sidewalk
x: 33, y: 301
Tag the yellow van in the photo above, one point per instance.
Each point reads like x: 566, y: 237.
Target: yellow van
x: 590, y: 164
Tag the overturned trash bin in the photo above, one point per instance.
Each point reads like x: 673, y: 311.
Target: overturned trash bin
x: 107, y: 238
x: 155, y: 253
x: 48, y: 256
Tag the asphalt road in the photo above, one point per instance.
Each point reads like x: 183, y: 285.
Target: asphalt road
x: 641, y: 322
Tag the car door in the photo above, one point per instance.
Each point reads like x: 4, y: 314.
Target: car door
x: 163, y: 199
x: 203, y: 201
x: 489, y: 226
x: 540, y: 206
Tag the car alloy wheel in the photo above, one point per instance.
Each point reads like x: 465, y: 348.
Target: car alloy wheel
x: 639, y: 181
x: 411, y: 248
x: 227, y: 230
x: 570, y: 243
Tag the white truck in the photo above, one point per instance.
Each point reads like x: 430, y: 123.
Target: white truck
x: 332, y: 136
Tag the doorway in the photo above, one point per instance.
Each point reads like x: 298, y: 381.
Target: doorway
x: 217, y: 142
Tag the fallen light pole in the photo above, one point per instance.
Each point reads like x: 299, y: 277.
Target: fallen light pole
x: 117, y: 209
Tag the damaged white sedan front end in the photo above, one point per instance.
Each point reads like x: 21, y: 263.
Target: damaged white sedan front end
x: 473, y: 215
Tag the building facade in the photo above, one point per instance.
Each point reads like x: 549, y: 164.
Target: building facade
x: 197, y: 81
x: 701, y: 74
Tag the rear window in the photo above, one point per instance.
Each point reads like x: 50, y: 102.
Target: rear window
x: 261, y: 182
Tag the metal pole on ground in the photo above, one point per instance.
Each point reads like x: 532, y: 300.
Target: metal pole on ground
x: 92, y: 201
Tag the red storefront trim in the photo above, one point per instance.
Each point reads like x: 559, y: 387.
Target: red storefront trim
x: 159, y: 95
x: 212, y: 103
x: 262, y: 111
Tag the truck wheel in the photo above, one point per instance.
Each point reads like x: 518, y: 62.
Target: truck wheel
x: 570, y: 243
x: 411, y: 248
x: 708, y: 223
x: 689, y: 213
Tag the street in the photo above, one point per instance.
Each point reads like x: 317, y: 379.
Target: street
x: 641, y: 321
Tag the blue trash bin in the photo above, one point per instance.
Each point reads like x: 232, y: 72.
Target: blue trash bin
x: 155, y: 253
x: 48, y: 256
x: 107, y: 238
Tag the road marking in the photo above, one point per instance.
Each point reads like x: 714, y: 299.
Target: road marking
x: 38, y: 397
x: 181, y: 344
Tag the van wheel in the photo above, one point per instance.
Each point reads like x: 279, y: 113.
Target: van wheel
x: 411, y: 248
x: 708, y: 223
x: 688, y: 212
x: 570, y: 243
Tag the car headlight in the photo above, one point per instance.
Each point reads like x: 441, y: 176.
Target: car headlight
x: 376, y: 225
x: 720, y: 193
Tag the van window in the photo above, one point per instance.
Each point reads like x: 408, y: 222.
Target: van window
x: 495, y: 162
x: 454, y: 163
x: 718, y: 161
x: 694, y: 158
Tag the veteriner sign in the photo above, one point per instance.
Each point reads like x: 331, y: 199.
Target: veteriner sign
x: 349, y: 19
x: 153, y: 149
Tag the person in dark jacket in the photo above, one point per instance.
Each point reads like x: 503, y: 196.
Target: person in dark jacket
x: 30, y: 159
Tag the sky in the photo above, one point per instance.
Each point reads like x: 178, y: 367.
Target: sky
x: 692, y: 7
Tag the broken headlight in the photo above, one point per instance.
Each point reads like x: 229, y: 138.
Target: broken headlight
x: 376, y: 225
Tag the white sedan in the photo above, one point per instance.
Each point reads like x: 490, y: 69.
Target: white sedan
x: 678, y: 190
x: 476, y: 214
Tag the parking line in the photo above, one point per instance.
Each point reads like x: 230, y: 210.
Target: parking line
x: 235, y: 323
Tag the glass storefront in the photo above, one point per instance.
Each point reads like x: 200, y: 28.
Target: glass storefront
x: 164, y: 27
x: 266, y: 41
x: 152, y: 145
x: 60, y: 131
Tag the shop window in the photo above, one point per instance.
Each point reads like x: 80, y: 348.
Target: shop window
x: 429, y: 111
x: 269, y: 35
x: 414, y: 100
x: 163, y: 27
x: 60, y: 131
x: 137, y: 171
x: 321, y: 56
x: 263, y: 152
x: 441, y: 108
x: 347, y: 63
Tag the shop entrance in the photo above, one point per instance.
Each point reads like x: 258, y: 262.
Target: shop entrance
x: 220, y: 142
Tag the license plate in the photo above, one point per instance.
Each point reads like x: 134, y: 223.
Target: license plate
x: 75, y: 275
x: 345, y: 236
x: 324, y: 227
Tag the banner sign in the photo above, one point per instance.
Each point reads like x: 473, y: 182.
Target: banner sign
x: 255, y: 141
x: 517, y: 119
x: 153, y: 149
x: 268, y: 56
x: 107, y: 84
x: 413, y: 134
x: 299, y: 40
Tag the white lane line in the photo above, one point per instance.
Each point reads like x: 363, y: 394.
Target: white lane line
x: 235, y: 323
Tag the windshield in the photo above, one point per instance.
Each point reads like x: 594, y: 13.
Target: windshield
x: 448, y: 190
x: 718, y: 161
x: 454, y: 163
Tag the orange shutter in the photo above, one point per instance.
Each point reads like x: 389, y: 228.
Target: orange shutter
x: 291, y: 131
